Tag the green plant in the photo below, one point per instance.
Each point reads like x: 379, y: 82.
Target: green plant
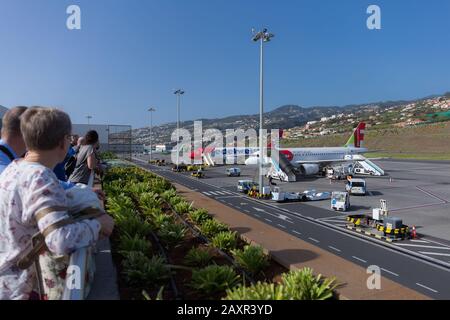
x: 303, y: 285
x: 258, y: 291
x: 168, y: 194
x: 199, y: 216
x: 225, y: 240
x: 119, y: 202
x: 149, y: 200
x: 172, y: 233
x: 174, y: 200
x: 129, y: 243
x: 160, y: 219
x: 211, y: 227
x: 140, y: 270
x: 251, y: 259
x: 160, y: 185
x: 213, y: 279
x: 159, y: 295
x: 134, y: 225
x: 198, y: 257
x: 182, y: 207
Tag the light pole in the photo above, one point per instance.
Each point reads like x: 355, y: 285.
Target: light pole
x: 261, y: 36
x: 178, y: 93
x: 151, y: 110
x: 89, y: 121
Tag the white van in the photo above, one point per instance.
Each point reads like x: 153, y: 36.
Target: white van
x: 356, y: 187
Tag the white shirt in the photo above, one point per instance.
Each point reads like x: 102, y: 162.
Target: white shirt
x: 25, y: 189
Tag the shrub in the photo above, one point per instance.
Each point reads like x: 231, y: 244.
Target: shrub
x: 134, y: 225
x: 128, y: 243
x: 149, y: 200
x: 198, y: 257
x: 168, y: 194
x: 211, y: 227
x: 160, y: 185
x: 213, y: 279
x: 140, y: 270
x: 295, y: 285
x: 174, y: 200
x: 118, y: 203
x: 182, y: 207
x: 172, y: 233
x: 251, y: 259
x: 160, y: 219
x: 258, y: 291
x: 225, y: 240
x: 199, y: 216
x: 303, y: 285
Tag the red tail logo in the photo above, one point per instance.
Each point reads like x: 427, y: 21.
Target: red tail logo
x: 359, y: 135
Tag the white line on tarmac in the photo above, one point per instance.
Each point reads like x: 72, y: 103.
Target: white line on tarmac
x: 435, y: 254
x: 388, y: 271
x: 247, y: 211
x: 280, y: 225
x: 268, y: 220
x: 315, y: 240
x: 335, y: 249
x: 421, y: 246
x: 256, y: 215
x: 294, y: 231
x: 428, y: 288
x: 419, y: 241
x: 359, y: 259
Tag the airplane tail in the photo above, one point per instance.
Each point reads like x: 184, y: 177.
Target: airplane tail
x: 357, y: 138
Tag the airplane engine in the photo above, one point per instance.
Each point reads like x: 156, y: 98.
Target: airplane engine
x: 309, y: 169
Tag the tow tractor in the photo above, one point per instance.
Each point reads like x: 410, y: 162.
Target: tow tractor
x: 198, y: 174
x: 379, y: 224
x: 340, y: 201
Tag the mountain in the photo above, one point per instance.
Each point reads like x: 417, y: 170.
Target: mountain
x: 284, y: 117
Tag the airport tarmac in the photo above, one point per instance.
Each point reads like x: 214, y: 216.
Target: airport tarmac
x: 418, y: 192
x: 427, y: 258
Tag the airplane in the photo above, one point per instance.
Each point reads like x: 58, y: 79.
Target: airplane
x: 311, y: 161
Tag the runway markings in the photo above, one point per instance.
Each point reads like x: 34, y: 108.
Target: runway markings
x: 359, y: 259
x: 296, y: 232
x: 206, y: 193
x: 268, y: 220
x: 388, y: 271
x: 335, y: 249
x: 419, y: 241
x: 280, y: 225
x: 425, y: 287
x: 247, y: 211
x: 422, y: 246
x: 213, y: 193
x: 435, y: 254
x: 256, y: 215
x: 315, y: 240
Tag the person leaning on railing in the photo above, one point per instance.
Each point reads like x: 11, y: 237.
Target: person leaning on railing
x: 33, y: 205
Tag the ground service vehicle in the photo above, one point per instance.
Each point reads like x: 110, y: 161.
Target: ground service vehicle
x: 340, y: 201
x: 356, y: 187
x: 234, y: 172
x: 246, y: 185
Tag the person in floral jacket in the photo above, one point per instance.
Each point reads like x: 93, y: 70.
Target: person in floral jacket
x: 32, y: 200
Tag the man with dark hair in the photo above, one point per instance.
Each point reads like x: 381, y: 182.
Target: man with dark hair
x: 12, y: 145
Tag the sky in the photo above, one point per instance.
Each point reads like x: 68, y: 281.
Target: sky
x: 130, y: 54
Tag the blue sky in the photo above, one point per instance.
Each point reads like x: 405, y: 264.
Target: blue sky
x: 129, y: 55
